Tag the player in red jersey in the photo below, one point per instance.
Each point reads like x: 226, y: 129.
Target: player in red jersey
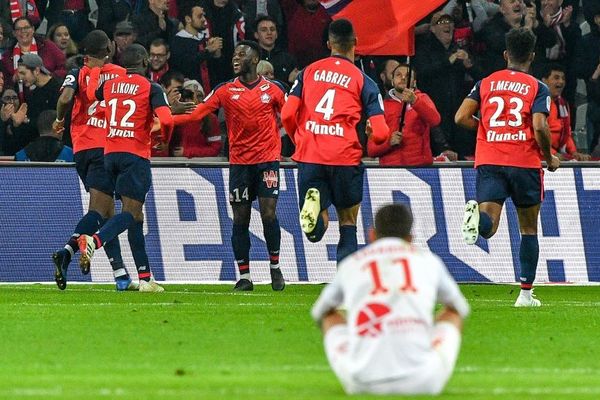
x: 513, y: 129
x: 320, y: 116
x: 88, y: 134
x: 251, y: 103
x: 131, y: 103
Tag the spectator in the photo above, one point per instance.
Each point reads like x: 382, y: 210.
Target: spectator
x: 254, y: 9
x: 11, y: 10
x: 559, y: 120
x: 159, y: 59
x: 5, y: 38
x: 153, y: 23
x: 192, y: 48
x: 225, y: 21
x: 558, y: 35
x: 59, y: 34
x: 475, y: 13
x: 111, y: 12
x: 284, y: 64
x: 124, y: 35
x: 265, y: 68
x: 72, y: 13
x: 409, y: 144
x: 513, y: 14
x: 172, y: 83
x: 442, y: 67
x: 27, y: 42
x: 15, y: 130
x: 386, y: 75
x: 48, y: 147
x: 588, y: 69
x: 196, y: 139
x: 44, y: 89
x: 307, y: 22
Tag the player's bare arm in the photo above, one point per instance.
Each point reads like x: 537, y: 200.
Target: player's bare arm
x: 465, y: 116
x: 543, y: 139
x: 61, y: 109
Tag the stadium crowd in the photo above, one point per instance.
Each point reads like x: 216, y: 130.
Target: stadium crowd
x: 191, y: 43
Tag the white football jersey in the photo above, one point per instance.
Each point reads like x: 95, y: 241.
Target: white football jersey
x: 390, y: 289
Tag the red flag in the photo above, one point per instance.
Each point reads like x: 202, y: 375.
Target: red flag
x: 383, y: 27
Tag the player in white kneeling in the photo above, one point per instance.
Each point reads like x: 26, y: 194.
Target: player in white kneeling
x: 389, y: 341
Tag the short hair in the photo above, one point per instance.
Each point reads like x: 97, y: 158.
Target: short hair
x: 186, y: 9
x: 96, y: 44
x: 44, y: 121
x: 21, y: 19
x: 253, y: 45
x: 133, y: 56
x: 160, y: 42
x: 263, y: 18
x: 341, y: 33
x: 548, y: 68
x: 263, y: 66
x: 171, y: 75
x: 413, y: 70
x: 520, y: 43
x: 393, y: 220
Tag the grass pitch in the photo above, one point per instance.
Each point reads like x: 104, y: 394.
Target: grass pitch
x: 205, y: 342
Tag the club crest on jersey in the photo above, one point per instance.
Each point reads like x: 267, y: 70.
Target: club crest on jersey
x: 270, y: 179
x: 265, y: 98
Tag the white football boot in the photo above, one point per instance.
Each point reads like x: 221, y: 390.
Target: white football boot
x: 527, y: 300
x: 150, y: 286
x: 470, y: 225
x: 310, y: 210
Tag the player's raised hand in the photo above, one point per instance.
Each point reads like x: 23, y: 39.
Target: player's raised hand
x: 553, y: 163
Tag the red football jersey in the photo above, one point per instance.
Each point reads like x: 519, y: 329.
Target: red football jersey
x: 251, y: 118
x: 334, y: 93
x: 88, y: 127
x: 130, y: 103
x: 508, y: 99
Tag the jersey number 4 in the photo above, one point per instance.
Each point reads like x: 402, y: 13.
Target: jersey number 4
x: 515, y: 110
x: 125, y: 123
x: 376, y: 277
x: 325, y: 105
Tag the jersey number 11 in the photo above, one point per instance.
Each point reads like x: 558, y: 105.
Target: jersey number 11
x: 378, y: 285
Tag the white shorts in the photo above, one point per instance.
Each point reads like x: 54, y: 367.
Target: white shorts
x: 430, y: 378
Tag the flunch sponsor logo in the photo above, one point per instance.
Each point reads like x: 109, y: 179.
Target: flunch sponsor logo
x: 493, y: 136
x: 318, y: 129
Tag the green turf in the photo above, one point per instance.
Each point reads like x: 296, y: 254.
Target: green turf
x: 204, y: 342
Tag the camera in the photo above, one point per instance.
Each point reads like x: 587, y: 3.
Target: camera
x: 186, y: 94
